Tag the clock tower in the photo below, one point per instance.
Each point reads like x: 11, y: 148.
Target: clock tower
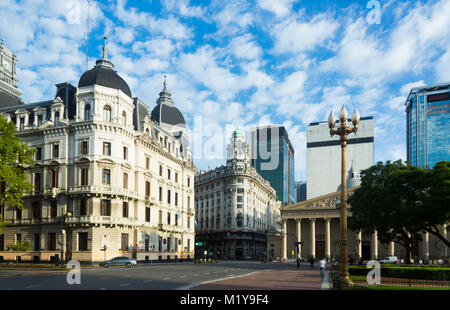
x: 8, y: 77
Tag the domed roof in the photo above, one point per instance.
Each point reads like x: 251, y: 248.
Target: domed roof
x: 104, y: 74
x: 238, y: 132
x: 8, y: 100
x: 166, y: 112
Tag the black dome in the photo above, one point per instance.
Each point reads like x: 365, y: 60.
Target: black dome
x: 8, y: 100
x: 167, y: 114
x: 104, y: 76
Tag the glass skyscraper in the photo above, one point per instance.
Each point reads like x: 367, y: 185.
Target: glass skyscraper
x: 428, y: 125
x: 272, y: 155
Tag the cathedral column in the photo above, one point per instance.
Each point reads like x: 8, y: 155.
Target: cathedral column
x: 313, y: 237
x: 327, y: 238
x: 375, y: 245
x: 426, y: 245
x: 359, y: 244
x: 284, y: 242
x: 391, y: 249
x: 444, y: 233
x: 299, y: 237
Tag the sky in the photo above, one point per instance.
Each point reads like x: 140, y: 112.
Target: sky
x: 286, y: 62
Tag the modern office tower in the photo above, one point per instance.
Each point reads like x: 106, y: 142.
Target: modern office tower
x: 272, y: 155
x: 107, y: 180
x: 428, y: 125
x: 323, y: 156
x: 300, y: 189
x: 235, y: 207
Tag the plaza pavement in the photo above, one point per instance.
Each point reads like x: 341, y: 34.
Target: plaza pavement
x: 288, y: 279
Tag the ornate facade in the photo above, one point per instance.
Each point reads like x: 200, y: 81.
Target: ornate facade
x: 316, y: 223
x: 235, y: 207
x: 109, y: 179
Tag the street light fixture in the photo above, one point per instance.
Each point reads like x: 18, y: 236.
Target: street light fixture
x: 342, y: 131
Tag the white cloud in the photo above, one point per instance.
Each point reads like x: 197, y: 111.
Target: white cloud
x: 293, y: 36
x: 243, y: 47
x: 280, y: 8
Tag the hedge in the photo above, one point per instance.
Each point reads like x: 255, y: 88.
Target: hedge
x: 420, y: 273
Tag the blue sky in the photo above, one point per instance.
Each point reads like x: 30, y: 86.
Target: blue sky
x: 285, y: 62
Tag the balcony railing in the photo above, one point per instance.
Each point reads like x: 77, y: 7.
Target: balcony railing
x: 103, y: 190
x: 91, y: 219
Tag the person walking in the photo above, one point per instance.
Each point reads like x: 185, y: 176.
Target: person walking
x: 311, y: 261
x: 322, y: 265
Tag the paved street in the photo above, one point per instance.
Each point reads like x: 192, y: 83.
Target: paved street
x: 169, y: 277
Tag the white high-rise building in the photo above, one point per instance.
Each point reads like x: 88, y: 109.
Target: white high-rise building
x: 323, y: 156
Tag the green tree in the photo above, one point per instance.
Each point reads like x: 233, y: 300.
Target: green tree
x: 14, y: 157
x: 379, y: 204
x: 401, y: 202
x: 428, y: 194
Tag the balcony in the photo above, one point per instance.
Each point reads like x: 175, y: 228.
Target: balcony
x: 99, y: 189
x: 54, y: 220
x: 172, y: 228
x: 105, y: 220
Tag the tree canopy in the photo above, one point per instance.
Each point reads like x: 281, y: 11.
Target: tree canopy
x: 402, y: 201
x: 14, y: 157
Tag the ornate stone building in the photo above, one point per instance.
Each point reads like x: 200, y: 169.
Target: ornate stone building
x: 316, y: 223
x: 235, y: 207
x: 110, y: 178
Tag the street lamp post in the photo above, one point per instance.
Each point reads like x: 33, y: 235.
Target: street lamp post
x: 343, y: 132
x: 63, y: 236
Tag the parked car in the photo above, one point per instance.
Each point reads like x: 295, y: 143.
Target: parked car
x: 119, y: 261
x: 389, y: 260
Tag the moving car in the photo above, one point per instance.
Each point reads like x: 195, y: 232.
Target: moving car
x: 119, y: 261
x: 389, y: 260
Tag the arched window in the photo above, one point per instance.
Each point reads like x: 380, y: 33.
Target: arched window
x: 124, y: 118
x: 87, y: 112
x: 107, y: 113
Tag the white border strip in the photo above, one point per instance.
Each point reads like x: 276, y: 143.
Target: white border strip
x: 188, y: 287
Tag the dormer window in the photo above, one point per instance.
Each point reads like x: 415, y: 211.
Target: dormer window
x: 107, y: 113
x: 39, y: 120
x: 87, y: 112
x: 56, y: 116
x: 21, y: 123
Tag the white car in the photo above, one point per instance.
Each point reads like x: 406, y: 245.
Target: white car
x: 389, y: 260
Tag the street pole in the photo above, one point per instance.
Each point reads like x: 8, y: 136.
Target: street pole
x: 342, y: 132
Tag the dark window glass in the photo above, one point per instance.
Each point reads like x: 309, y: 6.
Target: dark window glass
x: 84, y: 176
x: 55, y: 150
x: 53, y: 209
x: 36, y: 210
x: 105, y: 209
x: 51, y: 245
x: 38, y: 153
x: 82, y: 241
x: 147, y: 214
x: 82, y: 207
x: 106, y: 179
x: 125, y: 209
x: 37, y: 181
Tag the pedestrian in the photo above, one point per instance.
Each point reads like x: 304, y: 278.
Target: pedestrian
x: 322, y: 265
x: 311, y: 261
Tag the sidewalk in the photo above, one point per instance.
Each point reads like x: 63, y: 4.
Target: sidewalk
x: 287, y: 279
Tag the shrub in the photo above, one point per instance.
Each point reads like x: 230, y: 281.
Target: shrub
x: 20, y: 246
x: 420, y: 273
